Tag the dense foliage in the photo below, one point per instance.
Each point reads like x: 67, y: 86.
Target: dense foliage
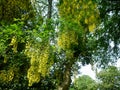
x: 108, y: 33
x: 15, y: 9
x: 41, y: 42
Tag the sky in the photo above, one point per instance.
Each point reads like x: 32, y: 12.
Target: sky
x: 87, y: 70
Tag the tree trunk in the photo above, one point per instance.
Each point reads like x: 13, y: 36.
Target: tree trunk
x: 65, y: 83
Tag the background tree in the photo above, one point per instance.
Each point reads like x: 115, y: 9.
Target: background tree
x: 109, y: 78
x: 84, y: 83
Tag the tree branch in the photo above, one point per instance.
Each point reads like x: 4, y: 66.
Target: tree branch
x: 49, y: 9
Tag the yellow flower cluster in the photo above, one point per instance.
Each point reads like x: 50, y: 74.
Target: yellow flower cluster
x: 67, y: 39
x: 6, y: 76
x: 14, y: 43
x: 39, y: 63
x: 80, y: 10
x: 33, y: 75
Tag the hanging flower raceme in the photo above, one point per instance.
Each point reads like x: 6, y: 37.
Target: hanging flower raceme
x: 40, y: 62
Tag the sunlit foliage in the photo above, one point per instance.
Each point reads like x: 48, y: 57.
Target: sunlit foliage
x: 80, y: 11
x: 79, y: 17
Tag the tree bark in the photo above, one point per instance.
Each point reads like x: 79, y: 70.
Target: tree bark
x: 66, y: 78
